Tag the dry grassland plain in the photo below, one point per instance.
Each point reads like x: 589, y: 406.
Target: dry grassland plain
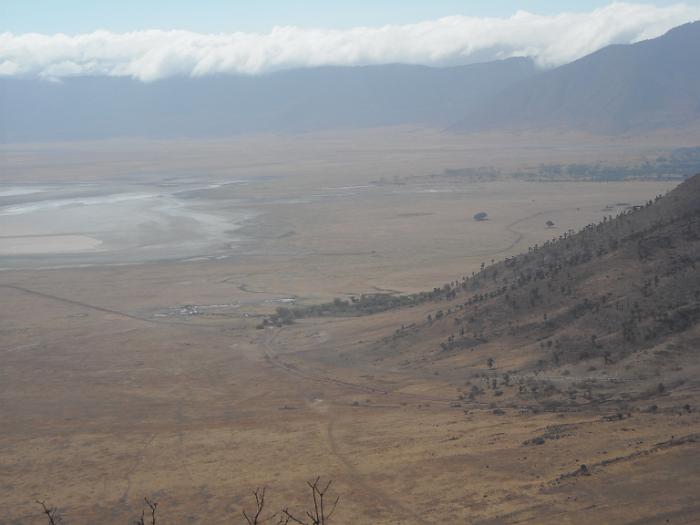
x: 122, y: 378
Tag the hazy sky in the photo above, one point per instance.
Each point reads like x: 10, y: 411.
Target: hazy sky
x: 150, y: 40
x: 81, y: 16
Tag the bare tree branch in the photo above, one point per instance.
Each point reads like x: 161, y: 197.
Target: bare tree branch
x: 152, y: 507
x: 290, y: 517
x: 317, y: 515
x: 257, y: 518
x: 51, y: 513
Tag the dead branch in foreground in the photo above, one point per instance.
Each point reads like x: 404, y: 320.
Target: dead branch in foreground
x: 319, y: 515
x: 51, y: 513
x: 257, y: 517
x: 152, y: 507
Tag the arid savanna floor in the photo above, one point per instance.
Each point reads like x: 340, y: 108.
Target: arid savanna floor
x: 128, y: 378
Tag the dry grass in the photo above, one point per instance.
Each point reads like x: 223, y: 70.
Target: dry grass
x: 103, y: 403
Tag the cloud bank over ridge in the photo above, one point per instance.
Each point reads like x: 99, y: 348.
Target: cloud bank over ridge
x: 551, y: 40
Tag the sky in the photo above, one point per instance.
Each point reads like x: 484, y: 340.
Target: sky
x: 209, y: 16
x: 154, y: 39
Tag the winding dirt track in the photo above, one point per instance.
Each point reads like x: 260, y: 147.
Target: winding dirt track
x: 364, y: 483
x: 519, y: 236
x: 270, y: 356
x: 274, y: 359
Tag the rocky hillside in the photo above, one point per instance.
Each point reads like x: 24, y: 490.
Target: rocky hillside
x: 608, y: 314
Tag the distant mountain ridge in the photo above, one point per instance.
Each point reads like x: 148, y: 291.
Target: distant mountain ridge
x: 288, y: 101
x: 650, y: 84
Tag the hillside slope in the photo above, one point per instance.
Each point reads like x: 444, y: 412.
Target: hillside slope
x: 608, y: 315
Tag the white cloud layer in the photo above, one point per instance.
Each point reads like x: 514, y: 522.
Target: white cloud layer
x: 154, y: 54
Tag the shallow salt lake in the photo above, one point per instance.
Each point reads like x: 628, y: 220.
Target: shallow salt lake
x: 105, y: 224
x: 11, y: 191
x: 46, y: 244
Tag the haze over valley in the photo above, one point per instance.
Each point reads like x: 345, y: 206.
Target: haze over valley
x: 447, y: 265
